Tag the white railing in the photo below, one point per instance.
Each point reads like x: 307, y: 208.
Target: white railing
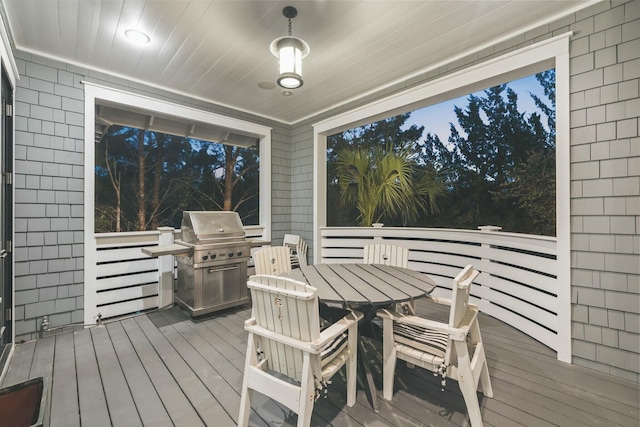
x: 518, y: 281
x: 125, y: 281
x: 518, y: 284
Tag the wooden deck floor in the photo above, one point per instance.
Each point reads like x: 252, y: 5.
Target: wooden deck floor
x: 164, y: 369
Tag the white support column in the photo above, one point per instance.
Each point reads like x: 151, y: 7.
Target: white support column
x: 165, y: 269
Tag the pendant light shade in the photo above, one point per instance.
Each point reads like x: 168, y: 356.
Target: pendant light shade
x: 290, y: 51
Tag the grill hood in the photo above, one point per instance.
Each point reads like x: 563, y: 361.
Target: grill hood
x: 201, y: 227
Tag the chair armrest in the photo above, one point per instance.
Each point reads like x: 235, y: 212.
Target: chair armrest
x: 458, y: 334
x: 337, y: 328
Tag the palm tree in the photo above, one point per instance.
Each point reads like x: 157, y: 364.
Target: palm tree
x: 383, y: 182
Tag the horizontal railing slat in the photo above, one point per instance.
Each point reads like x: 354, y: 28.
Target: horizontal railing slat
x: 126, y: 294
x: 128, y: 307
x: 517, y: 283
x: 127, y: 267
x: 126, y: 281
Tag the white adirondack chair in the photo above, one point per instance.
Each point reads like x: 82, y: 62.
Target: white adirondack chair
x: 273, y: 260
x: 285, y: 338
x: 440, y: 347
x: 298, y: 249
x: 393, y: 255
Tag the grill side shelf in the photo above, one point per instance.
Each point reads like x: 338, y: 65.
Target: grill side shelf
x: 175, y: 249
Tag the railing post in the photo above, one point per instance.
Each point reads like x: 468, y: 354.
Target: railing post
x: 377, y: 225
x: 484, y: 267
x: 165, y: 269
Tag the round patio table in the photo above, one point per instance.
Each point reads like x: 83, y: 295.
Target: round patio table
x: 366, y: 288
x: 361, y: 285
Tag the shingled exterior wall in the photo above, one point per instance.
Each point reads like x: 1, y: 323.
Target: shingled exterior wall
x: 605, y: 188
x: 49, y: 187
x: 605, y: 176
x: 605, y: 182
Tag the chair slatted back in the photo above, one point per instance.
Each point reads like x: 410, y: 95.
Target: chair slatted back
x: 273, y: 260
x: 298, y: 249
x: 386, y: 254
x: 460, y: 295
x: 288, y: 308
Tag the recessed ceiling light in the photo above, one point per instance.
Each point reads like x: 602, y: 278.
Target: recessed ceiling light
x: 137, y: 36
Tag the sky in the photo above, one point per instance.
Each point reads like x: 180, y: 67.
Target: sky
x: 436, y: 118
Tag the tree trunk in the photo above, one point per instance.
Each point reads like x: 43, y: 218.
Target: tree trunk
x: 155, y: 192
x: 141, y: 190
x: 115, y: 182
x: 230, y: 158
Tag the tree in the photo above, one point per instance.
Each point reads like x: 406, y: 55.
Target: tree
x: 371, y: 143
x: 491, y: 162
x: 147, y: 179
x: 382, y: 183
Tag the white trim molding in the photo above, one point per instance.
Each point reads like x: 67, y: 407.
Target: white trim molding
x: 534, y: 58
x: 92, y: 92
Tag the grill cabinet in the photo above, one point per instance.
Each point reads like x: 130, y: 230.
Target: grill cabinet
x: 212, y: 274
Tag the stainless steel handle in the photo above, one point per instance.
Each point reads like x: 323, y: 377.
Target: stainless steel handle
x: 215, y: 270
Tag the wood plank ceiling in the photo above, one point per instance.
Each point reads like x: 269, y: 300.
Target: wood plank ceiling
x: 219, y: 50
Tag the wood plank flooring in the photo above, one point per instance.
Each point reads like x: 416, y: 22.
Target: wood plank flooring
x: 165, y: 369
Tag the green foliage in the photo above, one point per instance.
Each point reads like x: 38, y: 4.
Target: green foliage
x: 498, y: 165
x: 501, y: 167
x: 180, y: 174
x: 374, y: 175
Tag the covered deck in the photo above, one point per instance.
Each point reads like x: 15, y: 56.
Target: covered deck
x: 164, y: 368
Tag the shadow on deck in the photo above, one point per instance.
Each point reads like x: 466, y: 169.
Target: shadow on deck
x: 163, y: 368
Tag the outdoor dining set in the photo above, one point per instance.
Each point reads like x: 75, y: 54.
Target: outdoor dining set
x: 306, y: 324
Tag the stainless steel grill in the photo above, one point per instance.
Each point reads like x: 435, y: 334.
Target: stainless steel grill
x: 212, y: 274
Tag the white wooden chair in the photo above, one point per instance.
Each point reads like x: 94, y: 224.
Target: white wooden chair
x: 285, y: 338
x: 298, y: 249
x: 454, y: 350
x: 273, y: 260
x: 393, y: 255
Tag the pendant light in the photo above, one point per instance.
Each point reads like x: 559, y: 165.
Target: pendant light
x: 290, y: 50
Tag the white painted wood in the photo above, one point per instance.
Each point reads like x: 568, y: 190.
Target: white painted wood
x: 531, y: 293
x: 125, y: 294
x: 393, y: 255
x: 285, y: 337
x: 166, y: 271
x: 95, y: 92
x: 128, y: 280
x: 439, y: 347
x: 126, y: 267
x: 297, y: 248
x: 536, y: 57
x: 273, y: 260
x: 386, y: 254
x: 127, y: 308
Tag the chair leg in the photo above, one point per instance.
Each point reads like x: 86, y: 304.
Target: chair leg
x: 468, y: 384
x: 246, y: 393
x: 307, y: 393
x: 245, y: 407
x: 388, y: 359
x: 485, y: 380
x: 351, y: 367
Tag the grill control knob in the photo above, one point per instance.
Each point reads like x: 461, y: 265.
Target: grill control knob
x: 213, y: 256
x: 239, y: 253
x: 205, y: 257
x: 230, y: 254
